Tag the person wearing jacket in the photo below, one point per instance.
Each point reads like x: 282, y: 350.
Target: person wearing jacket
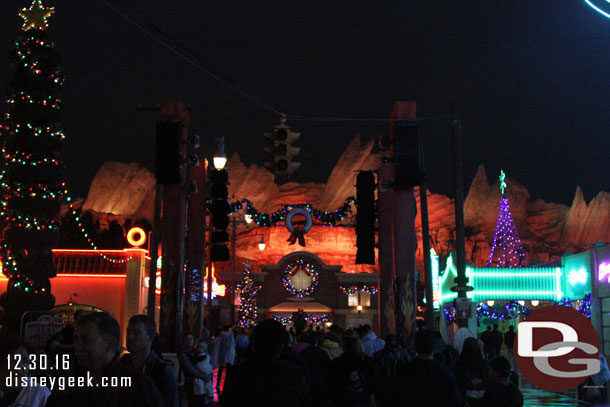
x: 224, y: 353
x: 188, y: 369
x: 140, y: 334
x: 388, y: 362
x: 370, y: 342
x: 203, y: 389
x: 331, y: 346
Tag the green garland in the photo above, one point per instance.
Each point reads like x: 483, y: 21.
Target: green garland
x: 330, y: 218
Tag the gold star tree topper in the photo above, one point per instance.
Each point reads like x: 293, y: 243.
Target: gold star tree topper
x: 36, y: 16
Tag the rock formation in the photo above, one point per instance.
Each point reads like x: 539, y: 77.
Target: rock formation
x: 547, y: 230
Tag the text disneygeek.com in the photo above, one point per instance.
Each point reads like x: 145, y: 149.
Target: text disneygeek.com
x: 61, y: 383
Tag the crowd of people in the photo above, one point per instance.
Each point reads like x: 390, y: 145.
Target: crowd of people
x: 266, y: 366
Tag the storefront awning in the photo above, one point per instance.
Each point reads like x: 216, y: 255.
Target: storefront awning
x: 293, y: 306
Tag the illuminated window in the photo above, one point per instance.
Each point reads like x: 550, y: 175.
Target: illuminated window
x: 300, y: 281
x: 365, y: 299
x: 352, y: 299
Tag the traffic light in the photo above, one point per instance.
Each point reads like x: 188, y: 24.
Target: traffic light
x: 219, y: 209
x: 407, y: 147
x: 365, y: 218
x: 167, y: 157
x: 282, y: 151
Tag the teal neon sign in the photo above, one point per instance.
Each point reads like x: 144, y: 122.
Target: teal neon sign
x: 531, y: 283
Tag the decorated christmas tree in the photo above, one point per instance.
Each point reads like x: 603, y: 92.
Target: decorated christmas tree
x: 31, y: 175
x: 247, y: 307
x: 506, y: 248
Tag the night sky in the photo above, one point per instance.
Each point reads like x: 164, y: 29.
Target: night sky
x: 530, y: 79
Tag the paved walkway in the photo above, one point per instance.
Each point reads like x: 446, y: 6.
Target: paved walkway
x: 537, y: 397
x: 532, y: 396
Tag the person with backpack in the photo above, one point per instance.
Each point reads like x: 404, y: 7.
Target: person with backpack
x: 471, y: 373
x: 388, y: 362
x: 141, y: 332
x: 350, y: 380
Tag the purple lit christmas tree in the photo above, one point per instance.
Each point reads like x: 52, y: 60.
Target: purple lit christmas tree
x: 506, y: 248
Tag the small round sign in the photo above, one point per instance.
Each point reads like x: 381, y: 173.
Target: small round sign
x: 136, y: 236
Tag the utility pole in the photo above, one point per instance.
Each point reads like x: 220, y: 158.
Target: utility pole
x: 425, y: 226
x: 155, y: 237
x: 460, y: 245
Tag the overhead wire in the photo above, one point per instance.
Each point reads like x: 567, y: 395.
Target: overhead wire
x: 189, y: 56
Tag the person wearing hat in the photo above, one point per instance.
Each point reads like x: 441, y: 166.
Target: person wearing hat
x: 501, y: 392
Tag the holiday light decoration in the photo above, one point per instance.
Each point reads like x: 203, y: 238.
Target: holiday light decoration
x: 36, y: 16
x: 31, y: 174
x: 604, y: 272
x: 370, y: 289
x: 506, y: 248
x: 89, y: 238
x: 579, y: 276
x: 248, y: 312
x: 297, y: 267
x: 309, y: 318
x: 584, y: 306
x: 328, y: 218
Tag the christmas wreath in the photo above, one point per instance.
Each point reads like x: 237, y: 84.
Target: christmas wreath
x: 293, y: 268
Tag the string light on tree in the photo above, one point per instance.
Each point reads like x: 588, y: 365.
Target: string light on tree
x: 248, y: 312
x: 31, y: 174
x: 506, y: 247
x: 36, y: 16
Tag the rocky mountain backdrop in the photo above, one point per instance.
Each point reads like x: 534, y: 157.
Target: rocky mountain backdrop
x: 126, y: 191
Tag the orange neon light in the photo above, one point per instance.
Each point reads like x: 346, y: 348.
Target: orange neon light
x: 5, y: 278
x: 114, y: 251
x: 217, y: 290
x: 136, y: 231
x: 92, y: 275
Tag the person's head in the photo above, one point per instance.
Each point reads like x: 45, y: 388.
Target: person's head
x: 489, y: 327
x: 500, y: 369
x: 202, y: 347
x: 188, y: 340
x: 225, y: 328
x: 268, y: 338
x: 439, y: 343
x: 78, y: 314
x: 96, y: 339
x: 495, y: 327
x: 424, y: 343
x: 140, y: 333
x: 462, y: 323
x: 511, y: 328
x: 366, y: 328
x: 471, y: 350
x: 350, y: 342
x: 313, y: 339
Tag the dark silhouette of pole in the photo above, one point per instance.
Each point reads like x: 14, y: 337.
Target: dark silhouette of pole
x: 153, y: 252
x: 425, y: 226
x: 460, y: 245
